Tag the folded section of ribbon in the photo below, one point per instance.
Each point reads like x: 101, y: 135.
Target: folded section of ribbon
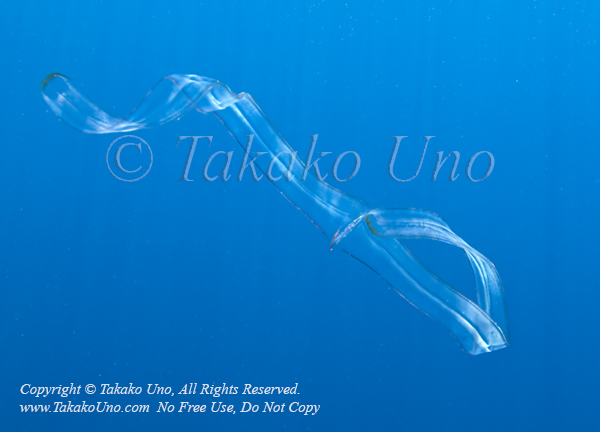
x: 373, y: 236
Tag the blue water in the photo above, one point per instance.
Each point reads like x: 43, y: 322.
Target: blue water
x: 165, y: 282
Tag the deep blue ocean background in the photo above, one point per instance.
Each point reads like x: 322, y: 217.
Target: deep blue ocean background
x: 171, y: 282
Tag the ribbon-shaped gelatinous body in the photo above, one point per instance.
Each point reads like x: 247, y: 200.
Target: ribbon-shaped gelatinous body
x: 373, y: 236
